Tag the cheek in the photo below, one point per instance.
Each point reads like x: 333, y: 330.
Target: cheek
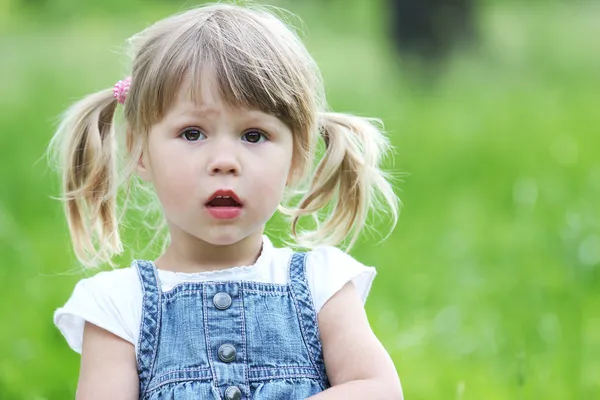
x: 172, y: 191
x: 171, y: 174
x: 271, y: 174
x: 273, y: 182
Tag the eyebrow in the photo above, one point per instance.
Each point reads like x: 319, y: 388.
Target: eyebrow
x: 198, y: 111
x: 191, y: 110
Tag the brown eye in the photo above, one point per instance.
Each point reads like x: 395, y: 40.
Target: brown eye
x: 254, y: 136
x: 192, y: 135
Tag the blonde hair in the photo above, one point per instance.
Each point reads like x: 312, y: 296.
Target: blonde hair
x: 258, y: 62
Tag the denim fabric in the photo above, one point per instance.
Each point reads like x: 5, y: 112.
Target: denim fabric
x: 273, y: 328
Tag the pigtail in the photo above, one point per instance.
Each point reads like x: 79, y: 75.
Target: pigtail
x: 85, y: 146
x: 347, y: 182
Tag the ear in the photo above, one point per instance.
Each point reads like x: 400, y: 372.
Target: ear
x: 291, y: 177
x: 143, y: 169
x: 293, y: 171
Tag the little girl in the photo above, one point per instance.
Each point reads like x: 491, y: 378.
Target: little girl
x: 224, y: 110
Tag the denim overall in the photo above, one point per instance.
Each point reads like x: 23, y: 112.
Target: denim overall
x: 229, y: 340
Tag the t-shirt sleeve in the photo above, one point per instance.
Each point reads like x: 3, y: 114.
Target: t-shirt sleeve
x: 110, y: 300
x: 328, y: 269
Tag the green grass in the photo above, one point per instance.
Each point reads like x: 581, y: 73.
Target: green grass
x: 487, y: 289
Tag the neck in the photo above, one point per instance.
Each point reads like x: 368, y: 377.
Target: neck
x: 195, y: 255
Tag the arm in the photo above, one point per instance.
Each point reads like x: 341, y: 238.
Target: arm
x: 108, y: 367
x: 358, y: 366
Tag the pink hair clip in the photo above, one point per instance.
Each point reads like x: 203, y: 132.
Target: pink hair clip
x: 121, y: 88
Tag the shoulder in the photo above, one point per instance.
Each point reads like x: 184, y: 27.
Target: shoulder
x: 114, y: 284
x: 111, y: 281
x: 326, y: 255
x: 328, y: 269
x: 109, y: 299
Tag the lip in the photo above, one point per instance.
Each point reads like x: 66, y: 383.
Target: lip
x: 225, y: 192
x: 222, y: 212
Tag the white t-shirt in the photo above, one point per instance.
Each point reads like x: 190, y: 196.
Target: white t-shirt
x: 112, y: 300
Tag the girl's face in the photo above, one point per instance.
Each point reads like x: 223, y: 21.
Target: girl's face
x: 219, y: 172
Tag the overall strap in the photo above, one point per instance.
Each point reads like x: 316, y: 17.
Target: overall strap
x: 307, y: 314
x: 150, y: 322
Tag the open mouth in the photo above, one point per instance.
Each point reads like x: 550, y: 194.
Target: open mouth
x: 223, y: 201
x: 224, y: 204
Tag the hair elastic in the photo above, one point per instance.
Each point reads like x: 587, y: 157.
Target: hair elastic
x: 120, y: 90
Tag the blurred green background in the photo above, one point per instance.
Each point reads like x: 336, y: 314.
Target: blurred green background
x: 489, y: 286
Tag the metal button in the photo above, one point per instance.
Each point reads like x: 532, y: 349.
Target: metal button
x: 233, y: 393
x: 226, y: 353
x: 222, y: 300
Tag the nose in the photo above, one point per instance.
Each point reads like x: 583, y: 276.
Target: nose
x: 224, y: 161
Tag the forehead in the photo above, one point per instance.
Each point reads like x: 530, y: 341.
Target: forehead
x: 201, y: 93
x: 246, y: 70
x: 205, y: 100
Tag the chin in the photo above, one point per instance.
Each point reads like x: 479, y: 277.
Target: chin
x: 222, y: 236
